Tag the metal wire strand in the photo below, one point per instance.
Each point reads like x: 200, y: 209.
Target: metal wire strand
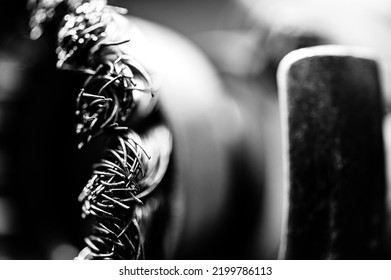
x: 114, y: 195
x: 106, y: 97
x: 110, y: 198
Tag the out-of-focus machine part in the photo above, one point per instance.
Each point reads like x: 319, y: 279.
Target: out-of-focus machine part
x: 249, y: 41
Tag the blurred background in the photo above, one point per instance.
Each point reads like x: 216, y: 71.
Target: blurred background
x: 42, y: 173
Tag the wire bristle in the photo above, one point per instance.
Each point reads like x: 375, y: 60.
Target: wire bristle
x: 112, y: 198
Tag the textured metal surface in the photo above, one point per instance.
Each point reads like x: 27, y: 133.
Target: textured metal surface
x: 335, y: 187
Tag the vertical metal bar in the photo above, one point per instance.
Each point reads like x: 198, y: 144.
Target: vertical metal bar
x: 334, y: 155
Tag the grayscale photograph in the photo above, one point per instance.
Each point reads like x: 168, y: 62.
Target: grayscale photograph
x: 195, y: 130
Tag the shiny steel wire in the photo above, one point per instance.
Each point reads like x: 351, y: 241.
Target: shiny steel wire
x: 112, y: 198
